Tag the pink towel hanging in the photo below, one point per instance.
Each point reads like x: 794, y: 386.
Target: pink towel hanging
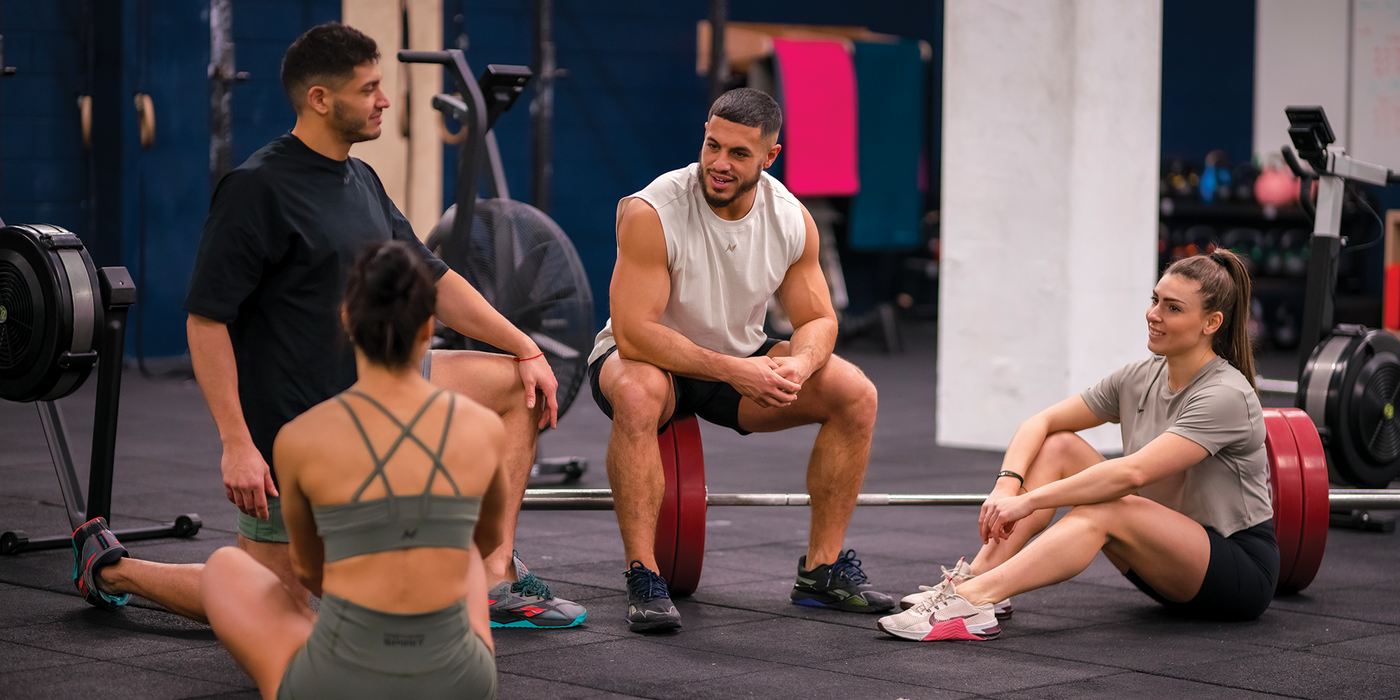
x: 819, y: 118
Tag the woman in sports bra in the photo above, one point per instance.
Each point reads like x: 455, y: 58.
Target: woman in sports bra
x: 1184, y: 514
x: 381, y: 489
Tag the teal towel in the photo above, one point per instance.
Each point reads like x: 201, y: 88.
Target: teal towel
x: 890, y: 85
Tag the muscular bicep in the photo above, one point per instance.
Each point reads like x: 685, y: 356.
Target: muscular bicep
x: 641, y: 284
x: 804, y: 292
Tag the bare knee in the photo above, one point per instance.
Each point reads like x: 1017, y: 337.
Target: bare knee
x: 849, y: 394
x: 638, y: 397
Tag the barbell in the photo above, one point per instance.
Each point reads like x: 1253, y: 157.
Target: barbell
x: 1302, y: 501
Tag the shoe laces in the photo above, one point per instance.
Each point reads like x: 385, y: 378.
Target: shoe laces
x: 847, y: 566
x: 530, y: 585
x: 645, y: 583
x: 941, y: 593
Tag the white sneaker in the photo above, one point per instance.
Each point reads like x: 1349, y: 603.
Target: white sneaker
x: 961, y: 571
x: 944, y: 615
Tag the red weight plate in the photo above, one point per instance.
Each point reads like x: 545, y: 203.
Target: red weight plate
x: 1285, y: 488
x: 1317, y: 509
x: 665, y: 545
x: 690, y: 510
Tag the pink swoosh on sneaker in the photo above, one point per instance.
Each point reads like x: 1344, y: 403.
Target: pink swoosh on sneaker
x: 951, y: 630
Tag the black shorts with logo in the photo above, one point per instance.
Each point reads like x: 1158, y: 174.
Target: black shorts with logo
x: 716, y: 402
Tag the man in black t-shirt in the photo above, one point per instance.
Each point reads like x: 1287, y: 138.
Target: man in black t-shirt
x: 264, y: 312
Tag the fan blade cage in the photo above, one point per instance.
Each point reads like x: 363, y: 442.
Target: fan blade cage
x: 528, y: 270
x: 17, y: 315
x: 1375, y: 408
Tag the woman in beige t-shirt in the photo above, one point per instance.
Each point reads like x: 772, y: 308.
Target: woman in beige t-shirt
x: 1184, y: 513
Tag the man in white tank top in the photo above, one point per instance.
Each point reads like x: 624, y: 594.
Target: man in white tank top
x: 700, y: 252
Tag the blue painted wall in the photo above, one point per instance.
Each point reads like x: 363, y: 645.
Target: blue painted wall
x: 143, y: 209
x: 630, y: 108
x: 1207, y: 78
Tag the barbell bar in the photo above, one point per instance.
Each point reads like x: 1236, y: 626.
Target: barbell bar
x: 1301, y: 500
x: 601, y: 499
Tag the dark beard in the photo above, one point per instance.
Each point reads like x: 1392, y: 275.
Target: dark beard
x: 742, y: 187
x: 348, y: 129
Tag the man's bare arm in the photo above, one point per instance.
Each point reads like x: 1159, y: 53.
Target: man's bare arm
x: 806, y: 298
x: 641, y: 286
x: 462, y: 308
x: 247, y: 477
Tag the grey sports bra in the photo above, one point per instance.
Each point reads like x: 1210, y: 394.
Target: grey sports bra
x: 398, y: 522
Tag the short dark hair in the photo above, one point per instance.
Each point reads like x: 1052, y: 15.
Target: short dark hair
x: 750, y: 107
x: 388, y: 297
x: 326, y: 55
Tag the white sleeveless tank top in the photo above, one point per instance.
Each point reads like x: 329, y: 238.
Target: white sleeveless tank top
x: 722, y: 272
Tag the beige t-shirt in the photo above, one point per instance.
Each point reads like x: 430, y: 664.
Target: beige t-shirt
x: 1227, y: 491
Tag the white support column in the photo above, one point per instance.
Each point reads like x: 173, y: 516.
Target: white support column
x: 1051, y: 131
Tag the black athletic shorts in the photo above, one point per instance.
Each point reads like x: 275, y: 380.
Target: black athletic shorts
x: 716, y: 402
x: 1240, y: 578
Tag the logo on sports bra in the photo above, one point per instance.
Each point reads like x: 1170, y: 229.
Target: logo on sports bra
x: 409, y: 534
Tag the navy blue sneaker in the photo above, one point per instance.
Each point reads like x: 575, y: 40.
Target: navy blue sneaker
x: 839, y: 586
x: 649, y: 606
x: 94, y: 546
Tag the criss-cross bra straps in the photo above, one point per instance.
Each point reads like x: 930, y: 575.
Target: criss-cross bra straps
x: 405, y: 433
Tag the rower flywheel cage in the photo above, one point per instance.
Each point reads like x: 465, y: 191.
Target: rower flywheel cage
x: 50, y: 313
x: 1351, y: 389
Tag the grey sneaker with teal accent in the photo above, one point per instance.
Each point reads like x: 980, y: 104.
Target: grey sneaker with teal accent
x: 530, y: 604
x: 841, y: 585
x: 95, y: 546
x: 649, y: 606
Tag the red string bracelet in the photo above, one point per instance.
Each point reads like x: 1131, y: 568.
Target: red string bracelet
x: 527, y: 359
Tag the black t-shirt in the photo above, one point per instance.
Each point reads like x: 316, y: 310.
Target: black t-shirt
x: 283, y: 230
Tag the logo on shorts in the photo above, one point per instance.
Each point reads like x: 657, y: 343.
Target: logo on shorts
x: 409, y: 534
x: 403, y: 640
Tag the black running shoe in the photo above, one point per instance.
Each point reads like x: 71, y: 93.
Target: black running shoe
x: 649, y: 606
x: 94, y: 546
x: 839, y: 586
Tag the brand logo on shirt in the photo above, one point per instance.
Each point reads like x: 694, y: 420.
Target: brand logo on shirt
x: 731, y: 247
x: 409, y: 534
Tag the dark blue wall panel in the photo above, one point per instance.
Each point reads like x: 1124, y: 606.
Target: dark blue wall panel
x: 140, y: 208
x: 1207, y: 78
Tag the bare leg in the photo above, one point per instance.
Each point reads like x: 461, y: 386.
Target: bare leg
x: 1062, y: 455
x: 643, y: 399
x: 172, y: 586
x: 277, y: 558
x: 1167, y: 549
x: 254, y: 615
x: 844, y: 402
x: 494, y: 381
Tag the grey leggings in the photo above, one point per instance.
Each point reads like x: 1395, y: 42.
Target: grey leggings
x: 355, y: 652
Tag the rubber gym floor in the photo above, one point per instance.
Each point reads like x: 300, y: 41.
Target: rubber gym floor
x: 1094, y: 636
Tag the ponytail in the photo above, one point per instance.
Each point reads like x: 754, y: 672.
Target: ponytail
x: 1225, y: 287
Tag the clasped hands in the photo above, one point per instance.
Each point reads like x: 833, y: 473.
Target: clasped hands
x: 771, y: 382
